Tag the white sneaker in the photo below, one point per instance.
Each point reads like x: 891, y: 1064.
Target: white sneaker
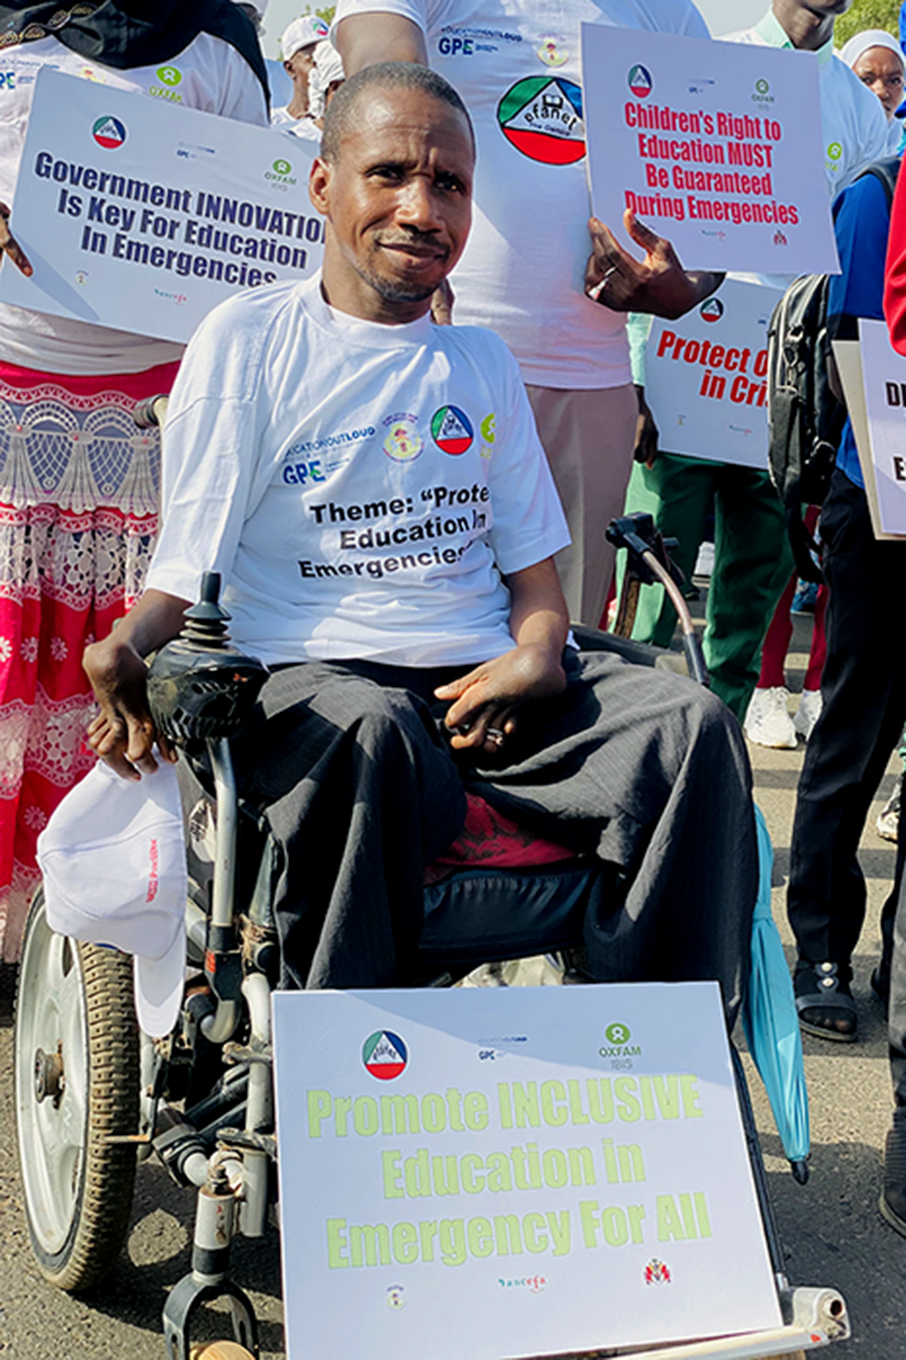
x: 704, y: 563
x: 768, y: 722
x: 808, y: 712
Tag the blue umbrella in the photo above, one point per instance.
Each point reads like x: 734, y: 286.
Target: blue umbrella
x: 770, y: 1021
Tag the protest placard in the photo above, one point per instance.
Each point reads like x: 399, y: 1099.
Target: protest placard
x: 716, y: 146
x: 706, y: 377
x: 522, y: 1171
x: 143, y: 215
x: 884, y: 461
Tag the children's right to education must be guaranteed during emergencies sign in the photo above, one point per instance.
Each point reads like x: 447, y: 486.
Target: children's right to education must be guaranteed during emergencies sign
x: 523, y: 1171
x: 716, y: 146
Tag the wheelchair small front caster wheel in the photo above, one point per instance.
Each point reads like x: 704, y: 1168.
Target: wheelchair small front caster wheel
x: 220, y: 1350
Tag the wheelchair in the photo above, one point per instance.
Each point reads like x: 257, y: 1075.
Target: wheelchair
x: 94, y: 1096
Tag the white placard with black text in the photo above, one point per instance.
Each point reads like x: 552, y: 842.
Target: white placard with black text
x: 523, y: 1171
x: 143, y: 215
x: 884, y: 376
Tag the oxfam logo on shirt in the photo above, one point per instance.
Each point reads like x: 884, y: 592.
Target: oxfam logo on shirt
x: 640, y: 82
x: 109, y: 132
x: 169, y: 75
x: 834, y: 151
x: 542, y: 117
x: 282, y: 167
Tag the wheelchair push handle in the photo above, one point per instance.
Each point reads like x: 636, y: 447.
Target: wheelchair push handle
x: 650, y: 562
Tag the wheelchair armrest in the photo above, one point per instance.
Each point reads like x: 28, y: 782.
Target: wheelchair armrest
x: 593, y: 640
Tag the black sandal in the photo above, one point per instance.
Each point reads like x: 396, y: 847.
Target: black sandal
x: 825, y: 987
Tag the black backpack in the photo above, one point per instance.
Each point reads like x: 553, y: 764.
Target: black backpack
x: 805, y: 419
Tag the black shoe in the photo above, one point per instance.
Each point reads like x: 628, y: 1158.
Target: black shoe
x: 824, y: 1001
x: 893, y: 1196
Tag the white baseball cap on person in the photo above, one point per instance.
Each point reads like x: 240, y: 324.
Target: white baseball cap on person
x: 113, y: 861
x: 304, y: 32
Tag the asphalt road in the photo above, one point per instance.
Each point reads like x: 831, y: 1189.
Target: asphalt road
x: 831, y: 1229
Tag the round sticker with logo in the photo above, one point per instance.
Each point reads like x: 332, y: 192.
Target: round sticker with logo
x: 552, y: 51
x: 640, y: 81
x: 169, y: 75
x: 109, y: 132
x: 385, y: 1055
x: 403, y: 443
x: 452, y: 430
x: 712, y: 310
x: 542, y: 117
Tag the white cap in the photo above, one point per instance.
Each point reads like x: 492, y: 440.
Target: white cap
x: 114, y: 864
x: 328, y: 68
x: 863, y: 42
x: 304, y: 32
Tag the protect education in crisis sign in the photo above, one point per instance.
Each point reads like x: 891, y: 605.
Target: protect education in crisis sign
x: 716, y: 146
x: 142, y: 215
x: 512, y: 1172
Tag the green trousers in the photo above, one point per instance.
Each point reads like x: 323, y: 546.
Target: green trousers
x: 752, y: 561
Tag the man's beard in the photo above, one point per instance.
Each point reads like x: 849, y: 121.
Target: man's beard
x: 396, y: 290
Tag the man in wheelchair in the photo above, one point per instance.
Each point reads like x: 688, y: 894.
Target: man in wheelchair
x: 373, y: 492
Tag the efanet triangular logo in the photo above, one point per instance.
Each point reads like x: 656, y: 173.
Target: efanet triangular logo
x: 109, y: 132
x: 640, y: 82
x: 384, y: 1055
x: 542, y: 118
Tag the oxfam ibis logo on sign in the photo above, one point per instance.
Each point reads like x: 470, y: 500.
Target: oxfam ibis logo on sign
x: 109, y: 132
x: 640, y: 82
x: 282, y: 167
x: 169, y: 75
x: 617, y: 1034
x: 762, y: 87
x: 619, y: 1047
x: 384, y: 1055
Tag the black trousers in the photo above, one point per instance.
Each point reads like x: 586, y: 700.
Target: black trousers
x: 350, y: 765
x: 863, y: 710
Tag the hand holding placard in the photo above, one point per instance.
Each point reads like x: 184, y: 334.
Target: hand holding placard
x: 658, y: 284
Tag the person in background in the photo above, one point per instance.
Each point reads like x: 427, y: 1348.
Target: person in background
x: 78, y: 481
x: 753, y: 559
x: 863, y: 687
x: 297, y: 47
x: 325, y: 79
x: 526, y: 272
x: 877, y: 59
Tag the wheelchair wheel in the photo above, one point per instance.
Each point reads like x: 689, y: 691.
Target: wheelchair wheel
x: 77, y: 1082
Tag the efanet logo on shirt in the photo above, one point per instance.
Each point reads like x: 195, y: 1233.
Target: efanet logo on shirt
x: 452, y: 430
x: 542, y: 117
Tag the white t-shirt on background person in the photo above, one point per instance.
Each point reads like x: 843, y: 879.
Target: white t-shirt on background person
x: 360, y: 487
x: 209, y: 75
x: 523, y: 270
x: 854, y: 129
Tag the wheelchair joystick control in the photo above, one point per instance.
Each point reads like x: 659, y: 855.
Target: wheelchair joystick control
x: 201, y: 687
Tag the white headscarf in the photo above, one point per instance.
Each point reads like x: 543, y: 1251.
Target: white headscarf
x: 862, y: 42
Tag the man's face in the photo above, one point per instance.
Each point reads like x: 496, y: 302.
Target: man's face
x: 398, y: 196
x: 300, y: 64
x: 824, y: 9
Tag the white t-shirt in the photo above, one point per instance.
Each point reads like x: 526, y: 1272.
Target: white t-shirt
x: 360, y: 487
x: 854, y: 129
x: 209, y: 75
x: 524, y: 266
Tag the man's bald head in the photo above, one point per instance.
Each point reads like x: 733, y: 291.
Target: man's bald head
x: 341, y: 116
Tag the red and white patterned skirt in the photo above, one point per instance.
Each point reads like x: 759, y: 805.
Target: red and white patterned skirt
x: 79, y: 496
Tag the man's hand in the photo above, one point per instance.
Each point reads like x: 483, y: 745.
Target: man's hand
x: 486, y: 701
x: 646, y: 432
x: 123, y: 733
x: 658, y: 284
x: 10, y: 246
